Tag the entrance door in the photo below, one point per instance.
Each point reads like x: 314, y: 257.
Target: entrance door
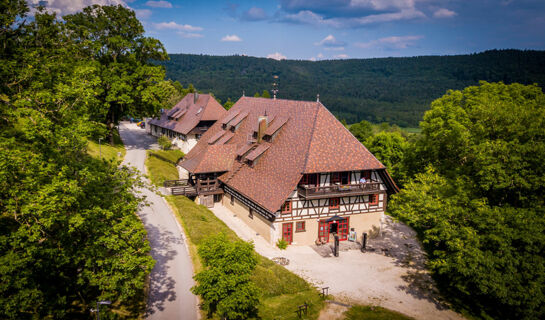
x: 287, y: 232
x: 323, y: 231
x: 343, y: 229
x: 341, y: 226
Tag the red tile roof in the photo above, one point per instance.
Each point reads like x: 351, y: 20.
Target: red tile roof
x: 311, y: 140
x: 190, y: 112
x: 218, y: 158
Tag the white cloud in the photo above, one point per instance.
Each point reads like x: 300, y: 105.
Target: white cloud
x: 390, y: 42
x: 309, y: 17
x: 387, y: 17
x: 189, y: 35
x: 254, y: 14
x: 341, y: 56
x: 276, y: 56
x: 444, y: 13
x: 159, y: 4
x: 174, y: 26
x: 142, y: 13
x: 62, y: 7
x: 349, y: 13
x: 330, y: 41
x: 231, y: 38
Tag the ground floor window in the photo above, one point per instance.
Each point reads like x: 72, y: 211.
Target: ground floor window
x: 300, y: 226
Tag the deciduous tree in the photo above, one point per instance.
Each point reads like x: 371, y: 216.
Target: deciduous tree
x: 130, y: 83
x: 225, y: 284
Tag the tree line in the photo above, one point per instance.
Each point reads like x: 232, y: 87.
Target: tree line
x: 393, y: 90
x: 473, y: 188
x: 69, y: 235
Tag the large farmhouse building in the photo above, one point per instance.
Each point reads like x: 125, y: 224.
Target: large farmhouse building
x: 186, y: 122
x: 290, y: 170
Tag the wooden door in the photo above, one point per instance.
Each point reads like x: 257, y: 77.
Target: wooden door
x: 287, y: 232
x: 323, y: 230
x: 343, y: 229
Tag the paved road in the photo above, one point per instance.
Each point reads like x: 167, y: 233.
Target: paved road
x: 171, y: 278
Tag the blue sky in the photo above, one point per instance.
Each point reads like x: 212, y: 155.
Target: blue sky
x: 335, y: 29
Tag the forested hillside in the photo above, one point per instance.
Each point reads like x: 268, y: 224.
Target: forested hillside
x: 394, y: 90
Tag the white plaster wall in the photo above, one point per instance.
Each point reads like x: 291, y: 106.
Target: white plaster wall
x: 186, y: 146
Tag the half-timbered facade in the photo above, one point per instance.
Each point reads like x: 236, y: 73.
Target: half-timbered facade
x: 292, y: 171
x: 188, y: 120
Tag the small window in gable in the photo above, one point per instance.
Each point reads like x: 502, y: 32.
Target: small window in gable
x: 286, y: 207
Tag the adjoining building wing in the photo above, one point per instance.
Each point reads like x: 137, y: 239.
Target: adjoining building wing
x: 188, y: 120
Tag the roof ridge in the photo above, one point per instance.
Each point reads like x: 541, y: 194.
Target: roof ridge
x: 311, y: 137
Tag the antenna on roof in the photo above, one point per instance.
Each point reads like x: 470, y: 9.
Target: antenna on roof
x: 318, y: 97
x: 275, y: 87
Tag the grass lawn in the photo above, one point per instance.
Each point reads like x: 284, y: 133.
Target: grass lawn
x: 105, y: 150
x: 282, y: 291
x: 161, y: 165
x: 412, y: 130
x: 373, y: 313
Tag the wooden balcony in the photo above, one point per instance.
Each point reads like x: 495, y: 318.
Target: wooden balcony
x: 208, y: 186
x: 333, y: 191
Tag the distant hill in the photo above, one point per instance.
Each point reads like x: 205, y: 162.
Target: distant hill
x: 395, y: 90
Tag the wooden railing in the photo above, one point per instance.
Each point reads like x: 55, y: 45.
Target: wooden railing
x: 203, y: 186
x: 315, y: 192
x: 175, y: 183
x: 187, y: 191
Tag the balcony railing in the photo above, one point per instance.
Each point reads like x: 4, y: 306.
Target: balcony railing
x: 175, y: 183
x: 317, y: 192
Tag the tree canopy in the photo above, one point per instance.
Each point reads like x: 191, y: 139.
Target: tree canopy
x: 225, y: 284
x: 477, y: 198
x: 114, y: 38
x: 69, y: 235
x: 393, y: 90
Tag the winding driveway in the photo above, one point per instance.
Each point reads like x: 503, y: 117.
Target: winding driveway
x: 172, y: 276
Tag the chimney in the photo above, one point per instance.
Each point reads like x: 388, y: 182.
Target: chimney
x: 261, y: 127
x: 195, y: 97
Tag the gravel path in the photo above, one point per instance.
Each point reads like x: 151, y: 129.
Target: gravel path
x: 172, y: 276
x: 391, y: 274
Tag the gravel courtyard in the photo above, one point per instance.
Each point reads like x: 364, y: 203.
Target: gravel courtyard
x: 390, y: 274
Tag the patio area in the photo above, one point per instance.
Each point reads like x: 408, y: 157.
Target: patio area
x: 390, y: 273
